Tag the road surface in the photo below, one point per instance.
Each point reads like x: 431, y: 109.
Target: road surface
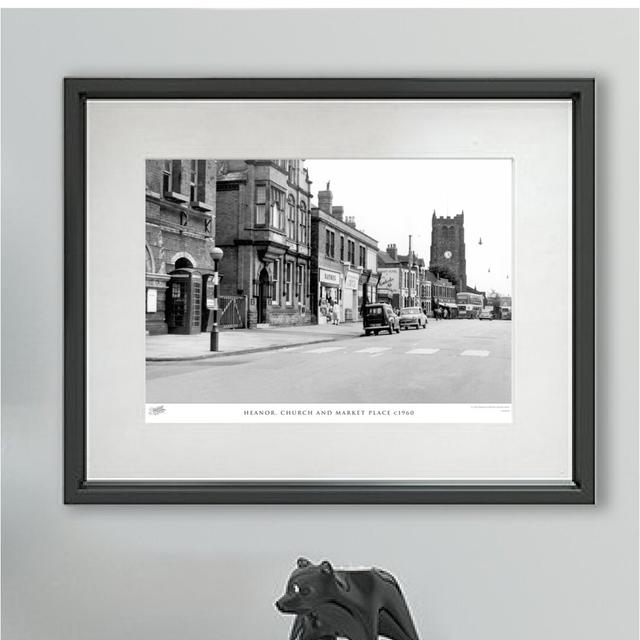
x: 451, y: 361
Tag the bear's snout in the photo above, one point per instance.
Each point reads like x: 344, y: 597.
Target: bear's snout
x: 283, y: 604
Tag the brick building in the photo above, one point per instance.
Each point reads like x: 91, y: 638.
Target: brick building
x: 424, y: 287
x: 263, y: 211
x: 403, y: 279
x: 443, y: 294
x: 343, y: 262
x: 448, y: 247
x: 180, y: 225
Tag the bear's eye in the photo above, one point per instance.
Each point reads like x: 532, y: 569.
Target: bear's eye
x: 297, y: 589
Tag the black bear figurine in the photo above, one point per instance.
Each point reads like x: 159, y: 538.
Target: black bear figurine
x: 359, y: 604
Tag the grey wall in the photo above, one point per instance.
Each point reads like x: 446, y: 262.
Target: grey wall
x: 161, y: 573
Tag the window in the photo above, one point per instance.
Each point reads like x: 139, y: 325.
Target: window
x: 172, y: 174
x: 193, y: 181
x: 351, y: 251
x: 342, y: 248
x: 261, y: 203
x: 197, y: 180
x: 300, y: 285
x: 362, y: 261
x: 293, y: 172
x: 167, y: 176
x: 302, y: 219
x: 148, y: 262
x: 276, y: 215
x: 288, y: 288
x: 291, y: 217
x: 275, y: 282
x: 330, y: 245
x: 277, y: 199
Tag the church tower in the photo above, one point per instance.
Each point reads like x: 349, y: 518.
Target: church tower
x: 448, y: 248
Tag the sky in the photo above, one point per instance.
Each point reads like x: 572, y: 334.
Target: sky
x: 391, y: 199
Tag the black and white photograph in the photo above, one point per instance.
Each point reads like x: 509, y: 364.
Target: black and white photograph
x: 388, y: 282
x: 308, y: 289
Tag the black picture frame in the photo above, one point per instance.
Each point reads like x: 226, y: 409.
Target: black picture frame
x: 581, y: 91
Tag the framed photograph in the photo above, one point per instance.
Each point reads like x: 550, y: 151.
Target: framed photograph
x: 329, y: 290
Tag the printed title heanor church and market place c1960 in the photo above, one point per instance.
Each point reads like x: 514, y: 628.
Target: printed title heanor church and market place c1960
x: 286, y: 260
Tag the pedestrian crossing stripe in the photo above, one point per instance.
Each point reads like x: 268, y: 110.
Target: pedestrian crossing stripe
x: 325, y: 349
x: 378, y: 351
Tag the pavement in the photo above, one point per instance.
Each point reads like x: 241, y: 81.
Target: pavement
x: 172, y: 347
x: 451, y: 361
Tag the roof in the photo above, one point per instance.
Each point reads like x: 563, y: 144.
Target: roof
x: 342, y: 226
x: 385, y: 258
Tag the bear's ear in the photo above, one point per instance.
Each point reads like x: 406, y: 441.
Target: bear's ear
x: 325, y: 565
x: 303, y: 562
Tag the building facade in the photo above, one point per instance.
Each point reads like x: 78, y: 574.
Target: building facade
x: 443, y: 294
x: 180, y: 227
x: 448, y: 248
x: 263, y: 227
x: 403, y: 279
x: 343, y: 262
x: 424, y: 287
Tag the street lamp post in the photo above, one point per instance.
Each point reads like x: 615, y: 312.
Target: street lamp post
x: 216, y: 255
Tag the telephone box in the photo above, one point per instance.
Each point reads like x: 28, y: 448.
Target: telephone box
x: 184, y: 301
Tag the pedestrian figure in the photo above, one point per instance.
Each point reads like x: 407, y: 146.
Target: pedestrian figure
x: 335, y: 314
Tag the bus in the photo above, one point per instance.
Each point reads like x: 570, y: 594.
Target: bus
x: 469, y: 304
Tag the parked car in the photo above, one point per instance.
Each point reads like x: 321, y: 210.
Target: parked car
x: 379, y: 317
x: 486, y: 314
x: 412, y: 317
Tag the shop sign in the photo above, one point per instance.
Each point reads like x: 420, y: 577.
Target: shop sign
x: 351, y: 281
x: 330, y: 277
x: 389, y: 280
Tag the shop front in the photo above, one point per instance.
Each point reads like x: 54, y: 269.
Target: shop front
x: 350, y: 296
x: 329, y: 294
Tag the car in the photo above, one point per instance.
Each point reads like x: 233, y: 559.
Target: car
x: 412, y: 317
x: 486, y: 314
x: 379, y: 316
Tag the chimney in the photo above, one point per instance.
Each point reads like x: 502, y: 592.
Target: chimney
x: 337, y: 212
x: 351, y: 221
x: 392, y: 251
x: 325, y: 198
